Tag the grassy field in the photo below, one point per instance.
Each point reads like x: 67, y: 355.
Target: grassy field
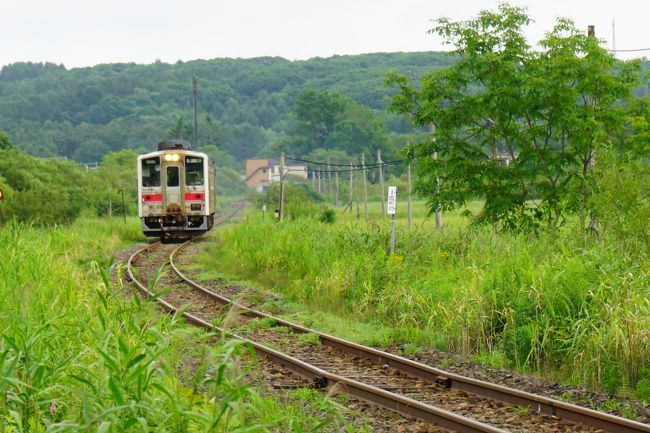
x: 561, y: 304
x: 419, y: 213
x: 420, y: 216
x: 80, y: 353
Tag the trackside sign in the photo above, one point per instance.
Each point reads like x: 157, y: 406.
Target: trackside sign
x: 392, y: 200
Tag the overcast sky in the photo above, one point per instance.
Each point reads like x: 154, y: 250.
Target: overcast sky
x: 88, y: 32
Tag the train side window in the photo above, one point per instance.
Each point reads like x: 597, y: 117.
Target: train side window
x: 193, y: 171
x: 151, y: 172
x: 172, y: 176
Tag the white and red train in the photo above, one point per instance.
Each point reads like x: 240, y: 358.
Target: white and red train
x: 176, y: 191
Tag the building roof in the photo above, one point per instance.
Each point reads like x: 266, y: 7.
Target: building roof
x: 276, y: 161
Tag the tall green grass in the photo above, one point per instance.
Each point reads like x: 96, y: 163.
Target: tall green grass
x: 557, y: 303
x: 80, y: 353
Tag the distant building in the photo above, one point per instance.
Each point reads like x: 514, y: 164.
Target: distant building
x: 261, y: 173
x: 505, y: 158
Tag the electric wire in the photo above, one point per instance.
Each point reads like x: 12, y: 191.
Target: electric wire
x: 359, y: 167
x: 373, y: 165
x: 629, y: 51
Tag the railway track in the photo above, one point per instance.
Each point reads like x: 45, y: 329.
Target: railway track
x: 416, y: 390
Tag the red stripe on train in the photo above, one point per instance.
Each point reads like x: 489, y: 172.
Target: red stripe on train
x: 194, y: 196
x: 151, y: 197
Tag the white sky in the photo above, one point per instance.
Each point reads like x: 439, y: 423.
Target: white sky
x: 88, y: 32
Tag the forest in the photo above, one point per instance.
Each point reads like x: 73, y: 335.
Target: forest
x: 245, y: 106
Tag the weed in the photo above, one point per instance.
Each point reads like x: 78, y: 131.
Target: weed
x: 573, y: 306
x: 309, y: 338
x: 520, y: 410
x: 494, y: 358
x: 79, y: 355
x: 260, y: 323
x: 410, y: 349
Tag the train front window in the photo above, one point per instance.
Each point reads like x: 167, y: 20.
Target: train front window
x: 172, y: 176
x: 151, y: 171
x: 193, y: 171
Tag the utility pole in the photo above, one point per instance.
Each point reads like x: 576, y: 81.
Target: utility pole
x: 409, y: 205
x: 110, y: 201
x: 381, y: 182
x: 320, y: 174
x: 281, y: 216
x: 435, y: 157
x: 593, y: 219
x: 2, y: 217
x: 329, y: 178
x: 365, y: 185
x: 121, y: 191
x: 351, y: 201
x: 337, y: 188
x: 196, y: 129
x: 356, y: 193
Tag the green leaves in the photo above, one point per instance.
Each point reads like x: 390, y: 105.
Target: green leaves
x: 518, y: 127
x: 327, y: 120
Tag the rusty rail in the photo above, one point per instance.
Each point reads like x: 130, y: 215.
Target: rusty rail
x: 539, y: 404
x: 404, y: 405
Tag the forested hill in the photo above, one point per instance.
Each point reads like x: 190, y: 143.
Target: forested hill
x: 244, y: 105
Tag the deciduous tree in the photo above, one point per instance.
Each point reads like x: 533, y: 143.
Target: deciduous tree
x: 516, y: 126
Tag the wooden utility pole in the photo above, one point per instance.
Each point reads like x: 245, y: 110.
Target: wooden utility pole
x: 337, y: 188
x: 591, y: 162
x: 329, y: 178
x: 356, y: 193
x: 121, y: 191
x: 351, y: 201
x: 110, y: 201
x: 2, y: 217
x: 435, y: 156
x: 381, y: 182
x: 281, y: 211
x: 365, y: 185
x: 194, y: 93
x: 409, y: 205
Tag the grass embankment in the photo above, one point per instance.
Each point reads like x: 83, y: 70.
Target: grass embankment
x: 557, y: 303
x: 79, y: 354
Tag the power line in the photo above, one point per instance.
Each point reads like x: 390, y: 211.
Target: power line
x: 629, y: 51
x: 357, y: 167
x: 397, y: 161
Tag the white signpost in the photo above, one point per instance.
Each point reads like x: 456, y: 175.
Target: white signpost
x: 390, y: 210
x: 392, y: 200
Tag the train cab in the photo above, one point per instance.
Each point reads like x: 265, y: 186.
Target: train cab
x: 176, y: 191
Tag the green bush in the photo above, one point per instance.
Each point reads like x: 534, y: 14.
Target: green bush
x: 300, y: 199
x: 327, y: 216
x: 556, y: 302
x: 622, y: 201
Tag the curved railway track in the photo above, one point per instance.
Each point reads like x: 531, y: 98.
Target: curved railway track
x: 410, y: 388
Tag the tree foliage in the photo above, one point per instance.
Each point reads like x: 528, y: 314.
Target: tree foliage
x: 42, y: 191
x: 5, y: 144
x: 326, y: 120
x: 244, y: 105
x: 518, y: 127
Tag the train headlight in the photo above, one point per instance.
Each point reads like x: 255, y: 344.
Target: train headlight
x: 172, y: 157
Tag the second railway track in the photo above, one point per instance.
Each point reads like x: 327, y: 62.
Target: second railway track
x: 416, y: 390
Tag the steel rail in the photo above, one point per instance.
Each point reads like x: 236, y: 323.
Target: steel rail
x: 539, y: 404
x: 324, y: 379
